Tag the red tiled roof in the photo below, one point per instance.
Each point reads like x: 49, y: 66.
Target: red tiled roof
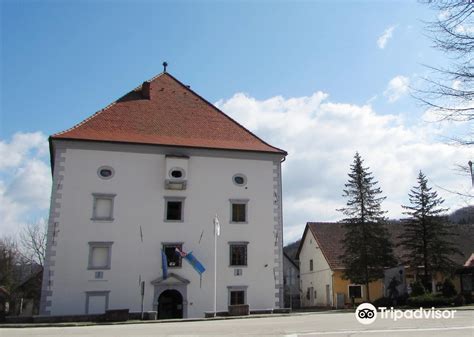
x: 173, y: 115
x: 330, y: 234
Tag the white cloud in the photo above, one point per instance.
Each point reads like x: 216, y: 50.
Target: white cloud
x: 396, y: 88
x: 456, y: 85
x: 322, y: 137
x: 387, y: 35
x: 25, y: 181
x: 467, y: 29
x: 444, y: 15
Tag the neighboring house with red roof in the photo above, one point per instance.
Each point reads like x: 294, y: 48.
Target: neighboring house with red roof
x: 147, y: 175
x: 321, y: 268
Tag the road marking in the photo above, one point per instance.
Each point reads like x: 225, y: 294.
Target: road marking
x: 379, y: 331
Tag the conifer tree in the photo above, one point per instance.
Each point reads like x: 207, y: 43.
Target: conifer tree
x: 427, y: 237
x: 368, y: 249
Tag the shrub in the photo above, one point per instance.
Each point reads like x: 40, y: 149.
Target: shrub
x: 417, y: 288
x: 383, y: 302
x: 402, y: 299
x: 468, y: 298
x: 459, y: 300
x: 448, y: 289
x: 429, y: 300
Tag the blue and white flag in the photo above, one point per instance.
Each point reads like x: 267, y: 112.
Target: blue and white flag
x: 164, y: 264
x: 191, y: 260
x: 195, y: 263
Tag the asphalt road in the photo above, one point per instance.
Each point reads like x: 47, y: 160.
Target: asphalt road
x: 305, y: 325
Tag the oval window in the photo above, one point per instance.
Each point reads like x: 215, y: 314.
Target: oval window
x: 177, y: 173
x: 239, y: 179
x: 105, y: 172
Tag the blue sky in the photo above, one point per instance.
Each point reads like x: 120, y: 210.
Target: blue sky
x: 63, y: 60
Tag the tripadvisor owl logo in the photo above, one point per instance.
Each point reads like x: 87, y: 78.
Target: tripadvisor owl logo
x: 366, y: 313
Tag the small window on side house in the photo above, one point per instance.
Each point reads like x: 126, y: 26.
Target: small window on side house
x: 311, y: 265
x: 355, y: 291
x: 103, y: 207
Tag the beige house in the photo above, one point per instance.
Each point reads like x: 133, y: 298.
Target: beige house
x: 321, y: 269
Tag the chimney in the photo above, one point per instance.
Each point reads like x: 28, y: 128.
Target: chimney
x: 146, y: 90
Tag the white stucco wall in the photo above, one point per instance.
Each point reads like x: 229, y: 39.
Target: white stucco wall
x: 319, y: 278
x: 139, y: 187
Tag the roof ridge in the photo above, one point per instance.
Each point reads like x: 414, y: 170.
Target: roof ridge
x: 223, y: 113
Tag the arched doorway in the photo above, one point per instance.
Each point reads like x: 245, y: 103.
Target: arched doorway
x: 170, y: 304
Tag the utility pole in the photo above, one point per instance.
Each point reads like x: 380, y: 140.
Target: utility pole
x: 217, y: 230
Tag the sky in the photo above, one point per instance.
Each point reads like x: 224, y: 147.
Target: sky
x: 320, y: 79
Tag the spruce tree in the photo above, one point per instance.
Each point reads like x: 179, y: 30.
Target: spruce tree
x: 368, y: 249
x: 427, y: 237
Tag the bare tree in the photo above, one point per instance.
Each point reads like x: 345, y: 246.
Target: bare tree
x: 450, y: 90
x: 32, y: 243
x: 8, y: 260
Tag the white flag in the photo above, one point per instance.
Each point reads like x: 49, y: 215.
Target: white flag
x: 217, y: 226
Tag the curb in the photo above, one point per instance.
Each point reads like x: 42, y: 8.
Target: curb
x: 164, y: 321
x: 185, y: 320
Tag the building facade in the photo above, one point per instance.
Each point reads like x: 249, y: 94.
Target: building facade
x: 321, y: 270
x: 143, y: 179
x: 291, y: 281
x: 322, y: 278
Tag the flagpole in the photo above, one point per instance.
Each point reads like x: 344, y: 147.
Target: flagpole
x: 215, y: 269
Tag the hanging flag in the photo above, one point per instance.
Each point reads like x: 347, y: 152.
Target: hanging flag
x: 191, y: 260
x: 164, y: 264
x: 217, y: 226
x: 195, y: 263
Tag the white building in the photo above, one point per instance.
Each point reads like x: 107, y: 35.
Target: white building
x: 149, y: 173
x: 291, y: 281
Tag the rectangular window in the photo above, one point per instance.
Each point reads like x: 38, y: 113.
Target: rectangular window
x: 173, y: 258
x: 100, y: 254
x: 238, y: 210
x: 174, y: 209
x: 103, y: 208
x: 311, y: 265
x: 237, y: 297
x: 355, y: 291
x: 238, y: 254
